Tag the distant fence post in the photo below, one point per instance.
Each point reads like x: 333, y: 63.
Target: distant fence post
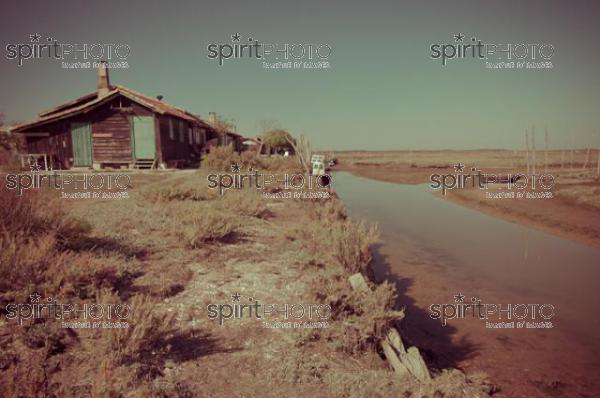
x: 546, y: 150
x: 587, y: 158
x: 534, y: 158
x: 527, y: 151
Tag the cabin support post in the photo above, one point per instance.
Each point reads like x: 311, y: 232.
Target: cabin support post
x: 159, y: 157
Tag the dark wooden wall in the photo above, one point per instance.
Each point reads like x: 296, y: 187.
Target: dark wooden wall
x: 56, y: 144
x: 111, y: 135
x: 172, y: 147
x: 111, y: 130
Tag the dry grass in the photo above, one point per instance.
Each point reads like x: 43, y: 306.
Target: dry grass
x: 361, y: 319
x: 137, y: 252
x: 221, y: 159
x: 587, y: 195
x: 9, y: 147
x: 147, y: 328
x: 34, y: 237
x: 46, y: 251
x: 330, y: 237
x: 245, y: 203
x: 351, y: 244
x: 209, y: 226
x: 179, y: 189
x: 480, y: 158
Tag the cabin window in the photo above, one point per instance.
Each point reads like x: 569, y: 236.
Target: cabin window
x: 202, y: 137
x: 190, y: 136
x: 171, y: 129
x: 181, y: 131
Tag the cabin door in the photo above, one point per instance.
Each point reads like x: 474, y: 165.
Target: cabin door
x: 81, y: 137
x: 144, y: 140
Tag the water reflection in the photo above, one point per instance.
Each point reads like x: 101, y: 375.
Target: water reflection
x: 519, y: 262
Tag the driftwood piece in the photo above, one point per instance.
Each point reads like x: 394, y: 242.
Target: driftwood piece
x: 401, y: 360
x: 415, y: 364
x: 358, y: 283
x: 393, y: 359
x: 394, y: 339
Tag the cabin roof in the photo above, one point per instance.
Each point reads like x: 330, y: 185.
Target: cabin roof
x: 91, y: 101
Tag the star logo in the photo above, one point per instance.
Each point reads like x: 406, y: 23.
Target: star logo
x: 35, y: 167
x: 235, y: 168
x: 35, y: 298
x: 236, y: 297
x: 459, y: 38
x: 459, y: 167
x: 459, y: 298
x: 235, y: 37
x: 35, y: 38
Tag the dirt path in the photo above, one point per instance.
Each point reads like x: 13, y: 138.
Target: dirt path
x: 239, y: 357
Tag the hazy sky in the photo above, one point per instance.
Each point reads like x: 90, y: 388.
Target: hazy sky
x: 383, y: 91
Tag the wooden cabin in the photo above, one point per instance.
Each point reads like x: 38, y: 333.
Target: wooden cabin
x: 118, y: 127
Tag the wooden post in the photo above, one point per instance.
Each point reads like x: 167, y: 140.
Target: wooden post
x: 533, y: 153
x: 404, y: 362
x: 527, y: 151
x: 587, y: 158
x: 571, y: 167
x: 562, y: 157
x: 546, y: 150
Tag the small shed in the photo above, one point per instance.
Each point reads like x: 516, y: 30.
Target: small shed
x: 115, y: 126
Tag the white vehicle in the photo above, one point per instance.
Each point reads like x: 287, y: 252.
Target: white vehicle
x: 318, y: 164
